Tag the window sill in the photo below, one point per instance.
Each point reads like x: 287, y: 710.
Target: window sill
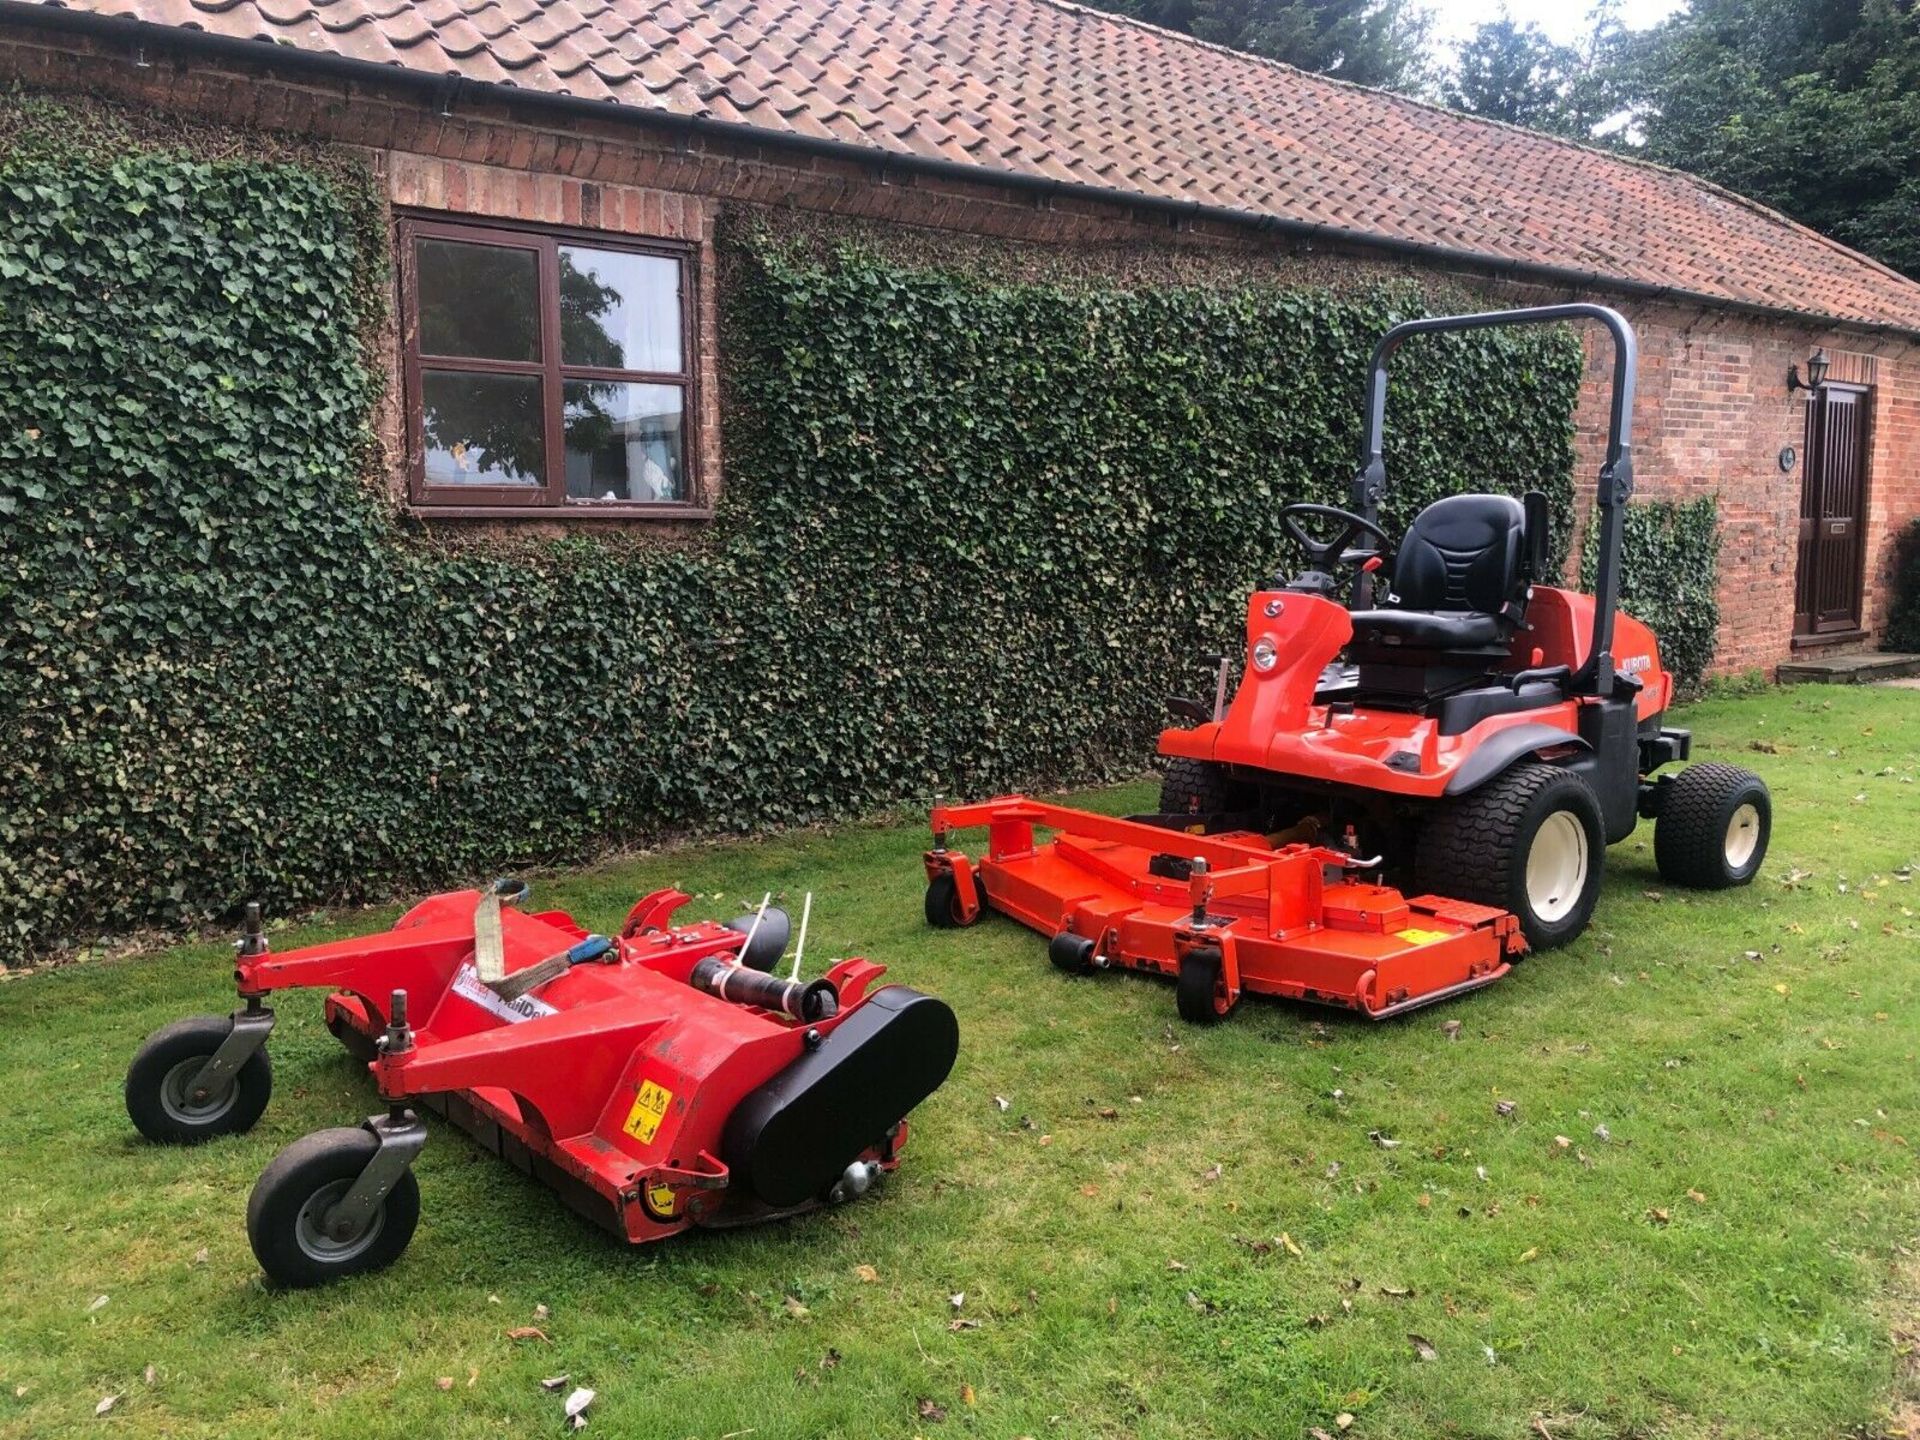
x: 566, y: 514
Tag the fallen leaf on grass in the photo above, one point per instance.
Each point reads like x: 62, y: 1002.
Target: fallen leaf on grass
x: 1107, y: 1112
x: 1002, y: 1104
x: 445, y: 1382
x: 540, y: 1312
x: 1425, y: 1202
x: 1205, y: 1307
x: 1287, y: 1244
x: 1382, y: 1141
x: 795, y: 1310
x: 1343, y: 1421
x: 966, y: 1395
x: 957, y: 1299
x: 554, y: 1382
x: 866, y: 1274
x: 1176, y: 1265
x: 1657, y: 1215
x: 1089, y: 1190
x: 954, y: 1327
x: 149, y: 1374
x: 528, y: 1332
x: 1529, y: 1255
x: 96, y: 1303
x: 1397, y: 1292
x: 107, y: 1402
x: 1504, y: 1108
x: 931, y: 1411
x: 1696, y: 1197
x: 1215, y: 1173
x: 1451, y: 1029
x: 577, y: 1404
x: 1561, y: 1142
x: 1423, y: 1347
x: 830, y: 1360
x: 200, y: 1256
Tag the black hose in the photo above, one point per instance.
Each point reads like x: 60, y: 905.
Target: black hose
x: 802, y: 1000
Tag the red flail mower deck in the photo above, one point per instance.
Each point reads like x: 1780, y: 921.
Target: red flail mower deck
x: 1223, y: 915
x: 653, y: 1079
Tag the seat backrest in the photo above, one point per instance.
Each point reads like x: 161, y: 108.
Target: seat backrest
x: 1466, y: 552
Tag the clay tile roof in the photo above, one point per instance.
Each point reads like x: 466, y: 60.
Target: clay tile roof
x: 1046, y: 90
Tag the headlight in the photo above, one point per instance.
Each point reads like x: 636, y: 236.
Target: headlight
x: 1265, y: 654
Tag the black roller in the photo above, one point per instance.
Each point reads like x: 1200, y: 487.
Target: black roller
x: 807, y: 1000
x: 769, y: 941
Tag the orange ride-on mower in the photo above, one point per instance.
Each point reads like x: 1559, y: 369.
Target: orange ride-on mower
x: 1477, y: 739
x: 658, y: 1080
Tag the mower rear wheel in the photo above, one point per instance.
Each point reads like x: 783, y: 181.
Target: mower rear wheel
x: 1200, y: 994
x: 1201, y: 787
x: 943, y: 902
x: 159, y: 1088
x: 1529, y: 841
x: 1712, y: 831
x: 290, y: 1200
x: 1072, y: 953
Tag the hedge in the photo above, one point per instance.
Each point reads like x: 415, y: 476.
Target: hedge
x: 1903, y: 592
x: 973, y: 530
x: 1670, y: 579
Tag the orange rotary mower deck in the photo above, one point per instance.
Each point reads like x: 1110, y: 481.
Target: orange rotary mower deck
x: 1222, y: 914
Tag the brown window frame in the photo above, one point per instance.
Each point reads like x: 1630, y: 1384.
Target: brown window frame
x: 548, y: 501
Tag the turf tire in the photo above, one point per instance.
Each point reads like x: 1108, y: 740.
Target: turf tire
x: 1695, y: 840
x: 322, y: 1164
x: 154, y: 1086
x: 943, y: 903
x: 1201, y: 787
x: 1478, y: 847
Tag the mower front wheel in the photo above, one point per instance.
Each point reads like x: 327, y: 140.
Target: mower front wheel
x: 287, y: 1212
x: 1200, y: 994
x: 1529, y: 841
x: 1712, y: 832
x: 162, y: 1101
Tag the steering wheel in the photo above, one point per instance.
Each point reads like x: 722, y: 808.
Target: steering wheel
x: 1324, y: 554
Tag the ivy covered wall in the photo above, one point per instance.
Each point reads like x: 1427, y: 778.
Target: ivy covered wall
x: 973, y: 530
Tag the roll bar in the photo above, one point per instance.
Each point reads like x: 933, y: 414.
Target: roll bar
x: 1616, y: 472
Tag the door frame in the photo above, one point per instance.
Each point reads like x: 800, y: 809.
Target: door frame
x: 1812, y: 463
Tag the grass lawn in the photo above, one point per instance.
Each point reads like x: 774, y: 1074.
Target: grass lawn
x: 1167, y: 1231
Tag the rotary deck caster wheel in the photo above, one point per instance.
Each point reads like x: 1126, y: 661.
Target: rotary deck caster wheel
x: 288, y: 1212
x: 163, y: 1100
x: 1201, y: 992
x: 943, y: 902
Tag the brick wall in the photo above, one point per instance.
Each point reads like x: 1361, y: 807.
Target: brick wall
x: 1711, y: 416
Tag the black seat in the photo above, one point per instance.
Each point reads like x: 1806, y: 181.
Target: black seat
x: 1460, y: 579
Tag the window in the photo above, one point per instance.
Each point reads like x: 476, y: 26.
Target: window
x: 545, y: 370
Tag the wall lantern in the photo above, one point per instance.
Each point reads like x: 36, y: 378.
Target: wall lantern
x: 1817, y: 367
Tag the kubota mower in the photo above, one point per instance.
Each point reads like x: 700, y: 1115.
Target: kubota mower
x: 1478, y: 738
x: 657, y: 1080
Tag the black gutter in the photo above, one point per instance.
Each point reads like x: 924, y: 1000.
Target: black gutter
x: 441, y: 90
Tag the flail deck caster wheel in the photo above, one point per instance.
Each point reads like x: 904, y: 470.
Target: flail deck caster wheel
x: 163, y: 1100
x: 943, y: 902
x: 287, y: 1214
x: 1071, y: 953
x: 1201, y: 992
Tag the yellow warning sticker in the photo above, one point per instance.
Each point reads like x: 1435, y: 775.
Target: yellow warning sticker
x: 1420, y: 937
x: 661, y: 1201
x: 649, y: 1109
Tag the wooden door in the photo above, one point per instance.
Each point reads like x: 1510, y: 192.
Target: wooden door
x: 1833, y: 511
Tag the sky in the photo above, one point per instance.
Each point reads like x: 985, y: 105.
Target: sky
x: 1564, y: 20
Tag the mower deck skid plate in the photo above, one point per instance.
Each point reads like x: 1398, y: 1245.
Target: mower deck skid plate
x: 1287, y: 921
x: 615, y: 1083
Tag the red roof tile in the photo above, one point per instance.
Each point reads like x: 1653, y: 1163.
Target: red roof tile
x: 1046, y: 89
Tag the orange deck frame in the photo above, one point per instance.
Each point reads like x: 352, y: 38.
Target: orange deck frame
x: 1291, y: 921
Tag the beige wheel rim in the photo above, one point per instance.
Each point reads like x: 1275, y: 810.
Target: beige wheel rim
x: 1557, y: 865
x: 1743, y: 836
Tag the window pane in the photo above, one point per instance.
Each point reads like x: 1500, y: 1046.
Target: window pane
x: 478, y: 300
x: 482, y: 429
x: 623, y: 441
x: 619, y: 311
